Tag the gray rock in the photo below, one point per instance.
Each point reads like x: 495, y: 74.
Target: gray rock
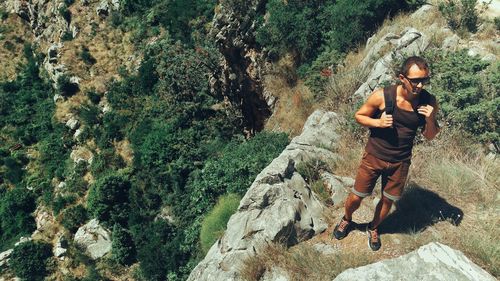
x: 451, y: 42
x: 274, y: 274
x: 77, y: 134
x: 409, y: 42
x: 22, y: 240
x: 72, y: 123
x: 4, y: 258
x: 338, y: 186
x: 278, y: 207
x: 53, y: 53
x: 433, y: 261
x: 421, y: 12
x: 115, y: 4
x: 326, y: 249
x: 93, y: 239
x: 43, y: 219
x: 102, y: 9
x: 60, y: 248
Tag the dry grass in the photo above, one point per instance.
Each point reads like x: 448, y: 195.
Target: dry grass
x: 14, y: 32
x: 302, y: 262
x: 293, y: 107
x: 125, y: 151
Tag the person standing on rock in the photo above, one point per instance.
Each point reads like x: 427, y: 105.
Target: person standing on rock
x: 393, y: 115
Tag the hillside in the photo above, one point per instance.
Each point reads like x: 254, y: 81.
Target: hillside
x: 131, y: 132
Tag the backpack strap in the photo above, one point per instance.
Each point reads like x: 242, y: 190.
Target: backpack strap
x: 390, y: 99
x: 425, y: 98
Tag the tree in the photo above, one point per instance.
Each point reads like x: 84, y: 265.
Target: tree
x: 108, y: 199
x: 122, y: 245
x: 28, y: 260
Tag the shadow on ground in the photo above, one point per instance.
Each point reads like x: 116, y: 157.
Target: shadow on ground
x: 418, y: 209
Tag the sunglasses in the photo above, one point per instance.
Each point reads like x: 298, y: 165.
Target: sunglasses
x: 416, y: 81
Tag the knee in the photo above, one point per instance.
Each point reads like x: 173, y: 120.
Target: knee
x: 386, y: 201
x: 354, y: 199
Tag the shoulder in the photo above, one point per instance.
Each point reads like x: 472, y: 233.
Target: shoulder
x: 376, y: 98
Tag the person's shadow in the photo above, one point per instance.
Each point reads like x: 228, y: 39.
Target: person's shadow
x: 417, y: 209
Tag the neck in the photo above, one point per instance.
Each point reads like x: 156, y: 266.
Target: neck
x: 406, y: 93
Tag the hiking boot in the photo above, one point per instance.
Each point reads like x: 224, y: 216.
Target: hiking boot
x: 373, y: 239
x: 341, y: 229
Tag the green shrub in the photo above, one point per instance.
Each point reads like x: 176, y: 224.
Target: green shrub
x: 497, y: 22
x: 65, y: 13
x: 61, y: 201
x: 67, y: 36
x: 306, y: 28
x: 74, y: 217
x: 158, y: 249
x: 466, y: 88
x: 89, y: 114
x: 318, y: 74
x: 215, y: 222
x: 106, y: 162
x: 94, y: 97
x: 3, y: 14
x: 66, y: 87
x: 234, y: 168
x: 16, y: 208
x: 122, y: 246
x: 29, y: 259
x: 460, y: 14
x: 108, y: 199
x: 86, y: 56
x: 311, y: 169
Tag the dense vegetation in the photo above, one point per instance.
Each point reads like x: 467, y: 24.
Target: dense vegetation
x: 26, y: 110
x: 318, y: 33
x: 467, y: 90
x: 29, y: 260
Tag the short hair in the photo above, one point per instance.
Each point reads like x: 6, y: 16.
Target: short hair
x: 409, y: 62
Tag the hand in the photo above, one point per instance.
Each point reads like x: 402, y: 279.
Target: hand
x: 425, y: 110
x: 385, y: 121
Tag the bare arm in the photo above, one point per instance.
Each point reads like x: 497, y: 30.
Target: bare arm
x: 373, y: 103
x: 431, y: 127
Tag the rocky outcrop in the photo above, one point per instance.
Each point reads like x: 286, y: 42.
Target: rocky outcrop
x: 409, y: 42
x: 240, y: 75
x: 94, y: 239
x: 279, y: 207
x: 338, y: 186
x: 433, y: 261
x: 4, y: 258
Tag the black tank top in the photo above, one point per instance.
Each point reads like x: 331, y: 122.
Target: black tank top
x: 395, y: 144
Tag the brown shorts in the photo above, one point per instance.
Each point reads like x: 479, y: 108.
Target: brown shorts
x: 393, y: 177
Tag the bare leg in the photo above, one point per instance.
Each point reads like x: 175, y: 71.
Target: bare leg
x: 381, y: 211
x: 351, y: 205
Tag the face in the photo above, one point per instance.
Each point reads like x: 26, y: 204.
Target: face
x: 415, y: 80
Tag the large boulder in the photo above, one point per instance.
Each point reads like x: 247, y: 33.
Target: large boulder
x: 433, y: 261
x: 279, y: 206
x: 94, y: 239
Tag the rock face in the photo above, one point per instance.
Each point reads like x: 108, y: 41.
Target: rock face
x: 4, y: 258
x: 94, y: 239
x: 433, y: 261
x: 240, y: 74
x: 409, y: 42
x: 279, y: 207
